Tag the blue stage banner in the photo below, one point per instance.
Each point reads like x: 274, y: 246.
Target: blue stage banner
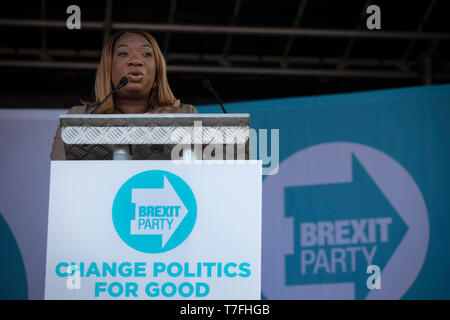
x: 360, y: 205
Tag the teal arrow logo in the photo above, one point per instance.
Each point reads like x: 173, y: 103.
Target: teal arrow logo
x: 154, y: 211
x: 339, y: 230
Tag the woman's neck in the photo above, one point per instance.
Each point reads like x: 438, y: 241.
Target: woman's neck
x: 131, y: 105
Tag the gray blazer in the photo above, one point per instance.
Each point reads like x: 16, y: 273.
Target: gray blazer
x: 58, y: 152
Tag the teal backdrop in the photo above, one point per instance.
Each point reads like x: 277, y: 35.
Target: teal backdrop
x: 363, y: 178
x: 13, y: 279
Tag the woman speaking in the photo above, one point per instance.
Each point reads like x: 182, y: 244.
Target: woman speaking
x: 136, y: 56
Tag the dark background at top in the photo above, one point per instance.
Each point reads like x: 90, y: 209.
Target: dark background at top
x: 62, y: 87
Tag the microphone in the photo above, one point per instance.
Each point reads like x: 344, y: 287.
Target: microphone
x: 207, y: 85
x: 121, y: 84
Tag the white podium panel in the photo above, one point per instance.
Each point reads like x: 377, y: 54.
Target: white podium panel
x: 154, y: 230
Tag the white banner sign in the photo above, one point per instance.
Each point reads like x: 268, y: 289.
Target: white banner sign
x: 154, y: 230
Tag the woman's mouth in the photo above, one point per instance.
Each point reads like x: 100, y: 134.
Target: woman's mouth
x: 135, y: 75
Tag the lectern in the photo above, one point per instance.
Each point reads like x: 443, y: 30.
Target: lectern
x: 176, y: 215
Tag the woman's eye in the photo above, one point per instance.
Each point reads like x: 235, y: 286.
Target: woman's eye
x: 122, y: 53
x: 147, y: 54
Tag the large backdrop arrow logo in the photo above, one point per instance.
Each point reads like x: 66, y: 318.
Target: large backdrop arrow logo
x: 331, y: 211
x: 342, y: 228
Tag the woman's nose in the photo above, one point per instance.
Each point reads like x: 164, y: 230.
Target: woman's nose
x: 134, y: 60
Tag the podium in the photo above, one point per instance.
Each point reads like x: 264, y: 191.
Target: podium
x: 151, y: 227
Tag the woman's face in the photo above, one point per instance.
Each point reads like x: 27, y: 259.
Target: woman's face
x: 133, y: 57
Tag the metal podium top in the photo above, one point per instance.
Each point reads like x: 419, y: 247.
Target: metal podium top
x: 92, y: 136
x: 150, y: 119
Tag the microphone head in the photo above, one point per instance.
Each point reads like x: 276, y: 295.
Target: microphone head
x: 123, y: 82
x: 207, y: 84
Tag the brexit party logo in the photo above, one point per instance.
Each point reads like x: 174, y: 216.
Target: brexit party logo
x: 334, y: 210
x: 154, y: 211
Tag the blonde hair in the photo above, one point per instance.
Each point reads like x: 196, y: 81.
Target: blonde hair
x: 160, y: 96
